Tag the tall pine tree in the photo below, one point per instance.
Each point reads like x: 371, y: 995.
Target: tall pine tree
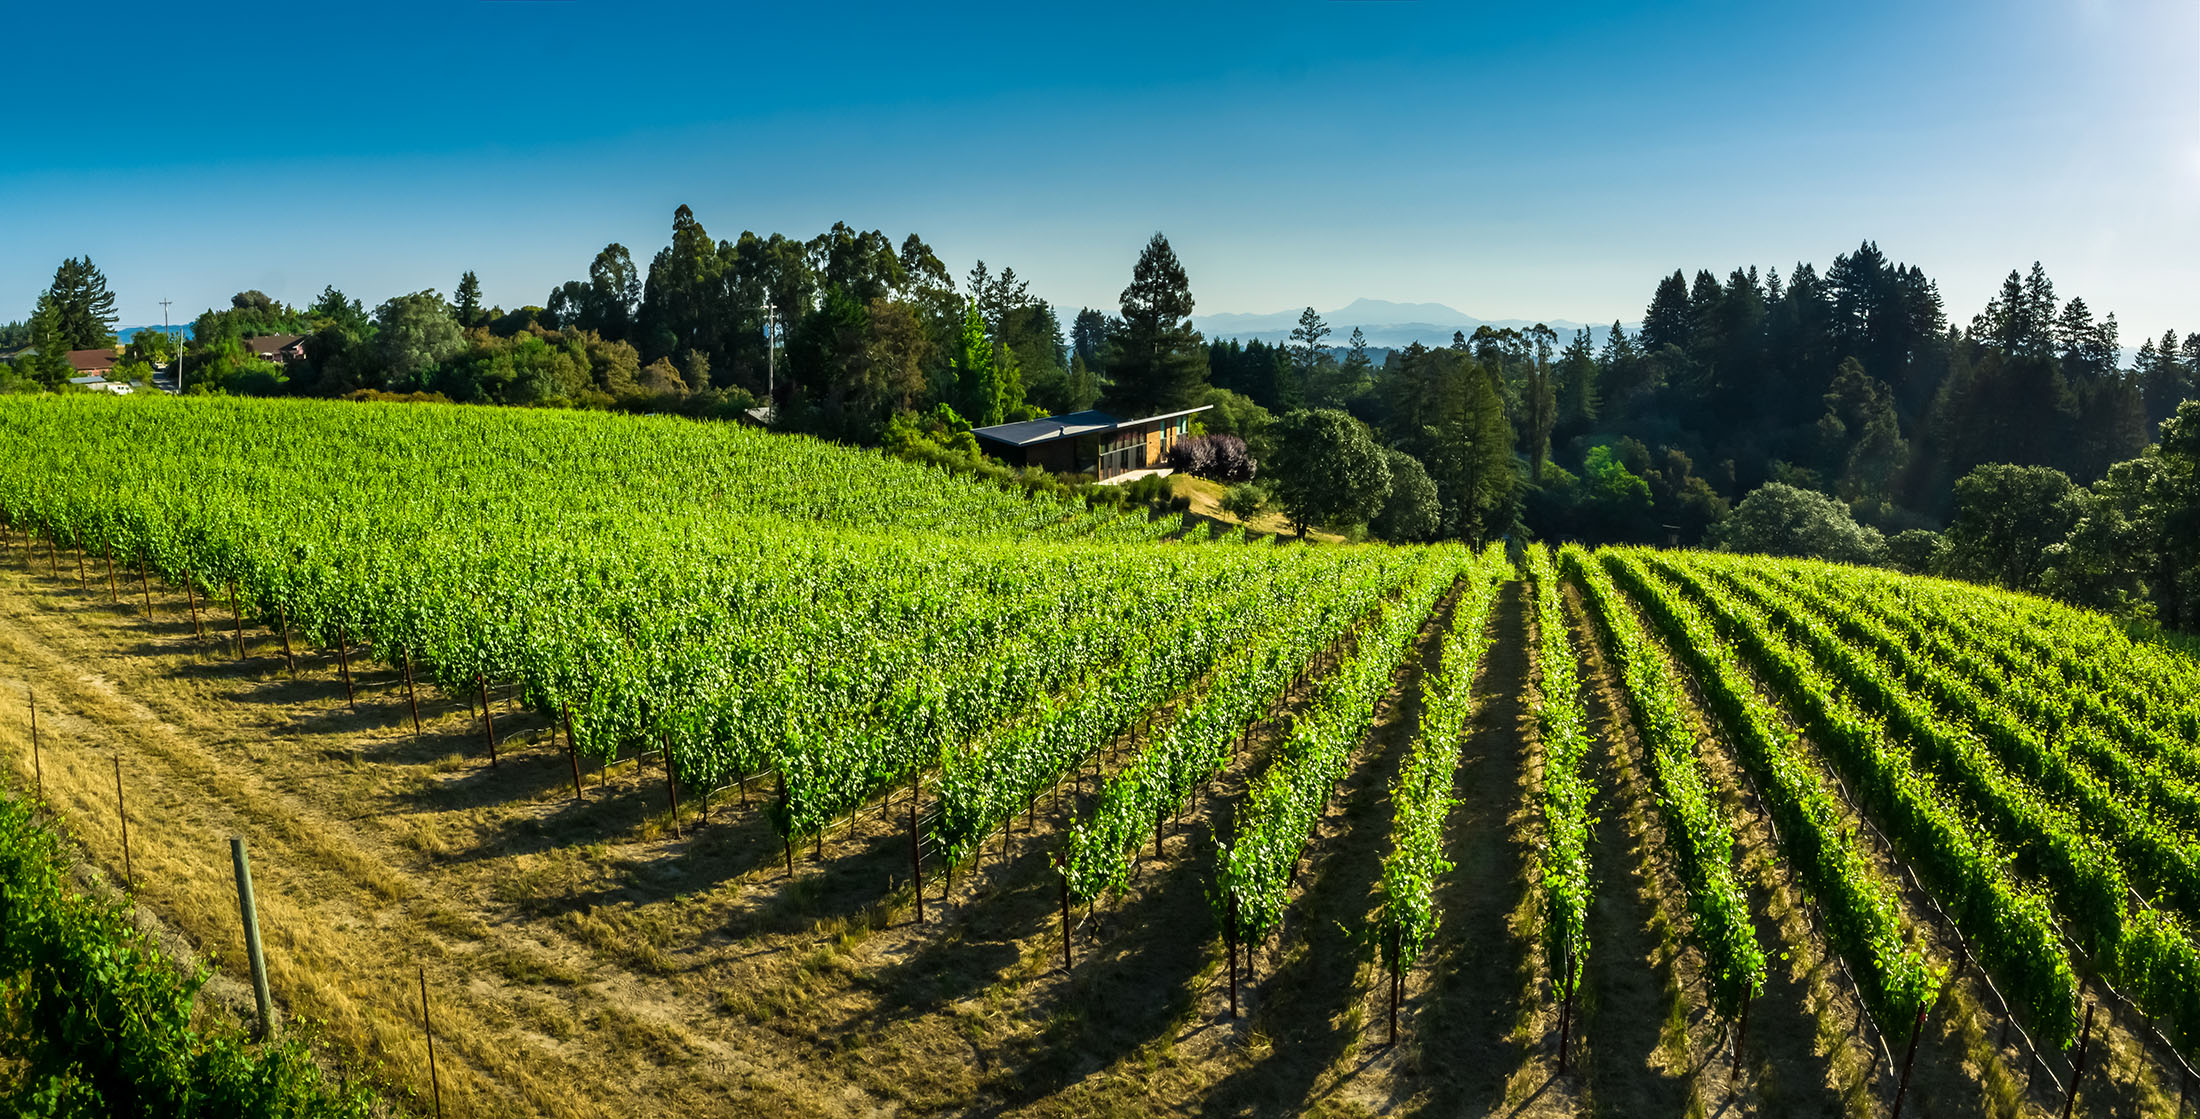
x: 82, y: 307
x: 1156, y: 360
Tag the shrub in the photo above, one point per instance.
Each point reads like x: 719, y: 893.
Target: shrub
x: 1223, y: 458
x: 1782, y: 520
x: 1244, y: 501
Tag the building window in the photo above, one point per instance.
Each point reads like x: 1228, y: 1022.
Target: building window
x: 1127, y: 451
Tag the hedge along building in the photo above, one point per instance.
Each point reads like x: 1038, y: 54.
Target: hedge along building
x: 1093, y: 443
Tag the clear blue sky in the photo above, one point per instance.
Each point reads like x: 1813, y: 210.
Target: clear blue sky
x: 1508, y: 160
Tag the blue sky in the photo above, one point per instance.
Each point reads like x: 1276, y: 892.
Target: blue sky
x: 1533, y: 161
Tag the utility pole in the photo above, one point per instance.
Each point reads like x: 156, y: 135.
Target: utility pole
x: 178, y: 343
x: 771, y: 359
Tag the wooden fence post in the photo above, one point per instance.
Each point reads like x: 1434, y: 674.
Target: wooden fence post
x: 572, y: 751
x: 1917, y: 1030
x: 2077, y: 1071
x: 1396, y: 977
x: 916, y: 845
x: 672, y: 785
x: 122, y: 812
x: 1566, y: 1015
x: 488, y: 721
x: 412, y: 698
x: 1230, y: 944
x: 235, y: 617
x: 249, y: 909
x: 427, y: 1028
x: 1741, y: 1030
x: 38, y: 767
x: 282, y: 617
x: 1066, y: 964
x: 343, y: 661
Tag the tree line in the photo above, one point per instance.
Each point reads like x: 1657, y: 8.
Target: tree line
x: 1852, y: 384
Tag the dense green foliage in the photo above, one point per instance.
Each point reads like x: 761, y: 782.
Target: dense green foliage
x: 1421, y: 798
x: 1259, y: 860
x: 743, y: 602
x: 1862, y: 908
x: 2011, y: 927
x: 1562, y: 723
x: 98, y: 1023
x: 1695, y: 818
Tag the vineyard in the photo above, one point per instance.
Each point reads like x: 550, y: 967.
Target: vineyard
x: 658, y: 767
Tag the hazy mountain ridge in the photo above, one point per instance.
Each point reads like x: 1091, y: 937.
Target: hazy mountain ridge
x: 1386, y: 324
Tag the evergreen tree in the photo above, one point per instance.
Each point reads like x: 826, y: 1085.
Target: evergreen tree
x: 1309, y: 355
x: 466, y: 302
x: 83, y: 309
x: 1157, y: 362
x: 1358, y: 374
x: 2165, y: 380
x: 1666, y: 323
x: 1539, y: 402
x: 1577, y: 385
x: 1084, y: 388
x: 1088, y: 335
x: 976, y: 383
x: 49, y: 366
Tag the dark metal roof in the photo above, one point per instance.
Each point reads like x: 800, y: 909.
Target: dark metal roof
x: 1024, y: 433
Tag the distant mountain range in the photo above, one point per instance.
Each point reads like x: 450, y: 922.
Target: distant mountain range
x: 1387, y: 325
x: 123, y: 334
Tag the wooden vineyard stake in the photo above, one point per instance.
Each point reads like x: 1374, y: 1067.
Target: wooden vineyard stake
x: 1917, y: 1030
x: 572, y: 751
x: 1230, y: 945
x: 282, y: 617
x: 1065, y: 920
x: 488, y: 721
x: 1741, y: 1030
x: 2077, y: 1069
x: 237, y: 618
x: 672, y: 785
x: 53, y: 557
x: 427, y: 1029
x: 248, y: 908
x: 786, y: 834
x: 1566, y: 1016
x: 38, y: 768
x: 1395, y: 984
x: 145, y: 585
x: 113, y: 595
x: 81, y: 583
x: 122, y: 812
x: 916, y: 847
x: 191, y: 594
x: 412, y: 698
x: 343, y: 661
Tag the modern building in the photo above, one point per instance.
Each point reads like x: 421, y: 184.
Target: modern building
x: 1093, y: 443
